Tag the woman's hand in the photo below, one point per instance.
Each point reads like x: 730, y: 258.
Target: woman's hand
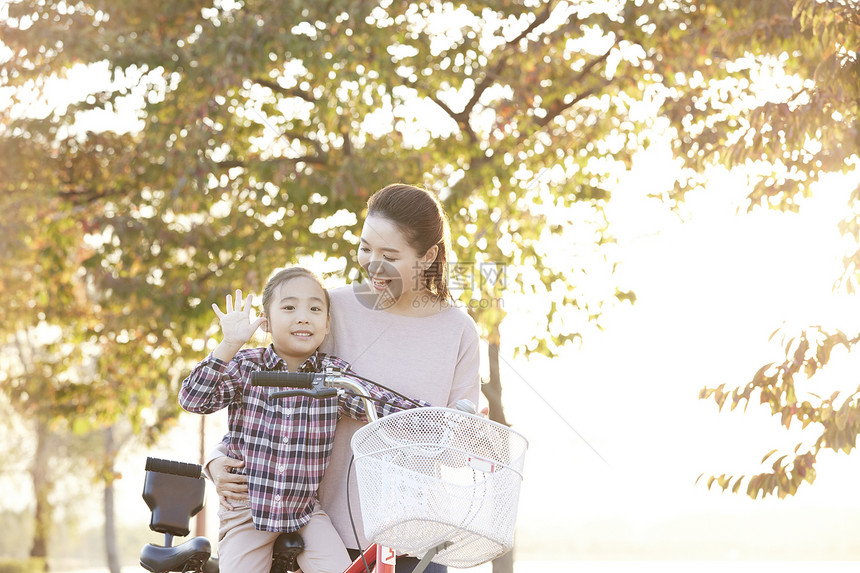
x: 230, y: 487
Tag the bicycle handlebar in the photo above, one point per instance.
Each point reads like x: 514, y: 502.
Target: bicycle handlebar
x: 294, y: 379
x: 321, y: 393
x: 325, y: 385
x: 311, y: 384
x: 314, y: 385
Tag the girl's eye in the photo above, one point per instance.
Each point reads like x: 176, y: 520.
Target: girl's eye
x: 364, y: 249
x: 289, y: 307
x: 316, y: 308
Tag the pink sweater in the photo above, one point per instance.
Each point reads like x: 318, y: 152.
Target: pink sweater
x: 434, y: 358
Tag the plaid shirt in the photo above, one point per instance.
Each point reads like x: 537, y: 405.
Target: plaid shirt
x: 286, y: 444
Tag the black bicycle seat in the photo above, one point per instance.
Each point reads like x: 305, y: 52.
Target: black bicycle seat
x: 285, y: 552
x: 188, y: 556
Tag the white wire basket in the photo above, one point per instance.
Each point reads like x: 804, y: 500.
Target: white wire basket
x: 431, y: 476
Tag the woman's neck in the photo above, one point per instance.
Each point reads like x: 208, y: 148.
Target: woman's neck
x: 418, y: 304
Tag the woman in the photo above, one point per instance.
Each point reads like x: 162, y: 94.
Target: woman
x: 399, y: 328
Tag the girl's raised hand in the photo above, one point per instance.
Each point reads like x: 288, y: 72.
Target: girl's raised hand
x: 236, y: 323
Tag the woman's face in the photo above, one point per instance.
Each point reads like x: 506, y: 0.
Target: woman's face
x: 391, y: 263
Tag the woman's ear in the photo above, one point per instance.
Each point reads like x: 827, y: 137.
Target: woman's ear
x: 430, y: 256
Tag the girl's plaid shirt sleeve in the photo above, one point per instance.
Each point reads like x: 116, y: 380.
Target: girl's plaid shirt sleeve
x: 211, y: 386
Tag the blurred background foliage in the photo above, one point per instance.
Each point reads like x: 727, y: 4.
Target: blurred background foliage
x: 155, y: 155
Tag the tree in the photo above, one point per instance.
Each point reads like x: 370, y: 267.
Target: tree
x: 29, y: 378
x: 262, y: 129
x: 60, y: 379
x: 787, y: 137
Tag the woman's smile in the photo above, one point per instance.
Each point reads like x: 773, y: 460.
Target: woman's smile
x: 380, y: 284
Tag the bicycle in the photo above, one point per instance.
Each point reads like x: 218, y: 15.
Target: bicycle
x: 436, y: 483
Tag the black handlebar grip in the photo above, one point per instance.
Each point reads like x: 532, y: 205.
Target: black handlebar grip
x: 321, y: 393
x: 171, y: 467
x: 291, y: 379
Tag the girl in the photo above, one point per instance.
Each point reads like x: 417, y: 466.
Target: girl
x: 285, y: 444
x: 400, y: 328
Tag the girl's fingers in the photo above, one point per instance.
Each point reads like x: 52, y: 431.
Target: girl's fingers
x: 237, y: 305
x: 217, y: 310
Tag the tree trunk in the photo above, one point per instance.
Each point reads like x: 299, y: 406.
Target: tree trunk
x: 109, y: 506
x: 41, y: 489
x: 201, y: 517
x: 493, y: 388
x: 493, y: 392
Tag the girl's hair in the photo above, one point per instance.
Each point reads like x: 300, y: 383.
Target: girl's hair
x: 285, y: 275
x: 420, y: 217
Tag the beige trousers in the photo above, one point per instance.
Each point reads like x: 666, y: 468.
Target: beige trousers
x: 244, y: 549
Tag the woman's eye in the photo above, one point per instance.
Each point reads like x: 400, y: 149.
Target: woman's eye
x: 289, y: 307
x: 389, y: 259
x: 316, y: 308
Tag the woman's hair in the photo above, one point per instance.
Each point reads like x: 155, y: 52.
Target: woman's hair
x: 285, y: 275
x: 420, y: 217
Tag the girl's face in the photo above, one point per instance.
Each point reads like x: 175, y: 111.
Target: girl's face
x: 392, y: 265
x: 297, y: 319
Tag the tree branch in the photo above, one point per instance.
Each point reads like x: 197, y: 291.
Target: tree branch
x: 319, y: 161
x: 462, y: 119
x: 560, y: 106
x: 289, y: 92
x: 578, y: 78
x: 477, y: 161
x: 304, y: 138
x: 491, y: 75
